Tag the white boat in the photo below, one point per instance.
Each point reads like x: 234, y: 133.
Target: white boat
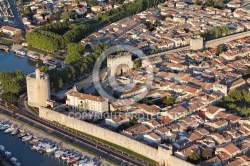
x: 90, y: 163
x: 81, y: 162
x: 22, y: 130
x: 7, y: 153
x: 2, y: 148
x: 14, y: 132
x: 22, y: 135
x: 27, y: 138
x: 73, y: 159
x: 33, y: 56
x: 9, y: 130
x: 34, y: 141
x: 35, y: 147
x: 65, y: 156
x: 60, y: 152
x: 20, y: 53
x: 4, y: 127
x: 51, y: 149
x: 15, y: 161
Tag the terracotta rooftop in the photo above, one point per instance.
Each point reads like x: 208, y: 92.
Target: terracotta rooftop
x: 83, y: 96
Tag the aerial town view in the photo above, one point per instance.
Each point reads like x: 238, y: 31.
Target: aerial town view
x: 125, y: 82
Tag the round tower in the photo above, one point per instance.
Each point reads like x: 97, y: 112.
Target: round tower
x: 38, y: 88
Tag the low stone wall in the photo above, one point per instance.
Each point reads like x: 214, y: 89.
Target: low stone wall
x: 161, y: 155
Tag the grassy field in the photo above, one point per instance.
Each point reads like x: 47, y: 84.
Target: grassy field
x: 32, y: 109
x: 125, y: 150
x: 59, y: 138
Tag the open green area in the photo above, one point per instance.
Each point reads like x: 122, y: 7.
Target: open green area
x: 32, y: 109
x: 125, y: 150
x: 238, y: 102
x: 56, y: 36
x: 59, y: 138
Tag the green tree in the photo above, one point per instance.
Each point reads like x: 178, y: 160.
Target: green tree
x: 92, y: 3
x: 215, y: 33
x: 194, y: 158
x: 219, y: 51
x: 10, y: 98
x: 206, y: 153
x: 248, y: 70
x: 237, y: 101
x: 27, y: 11
x: 65, y: 16
x: 137, y: 63
x: 197, y: 2
x: 12, y: 82
x: 75, y: 52
x: 169, y: 100
x: 60, y: 83
x: 133, y: 121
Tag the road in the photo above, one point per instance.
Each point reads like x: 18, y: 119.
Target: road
x: 99, y: 148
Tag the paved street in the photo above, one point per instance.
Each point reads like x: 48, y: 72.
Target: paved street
x: 17, y: 16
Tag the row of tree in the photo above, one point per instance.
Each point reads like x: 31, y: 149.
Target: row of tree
x: 215, y: 33
x: 12, y: 84
x: 214, y: 3
x: 61, y: 34
x: 237, y: 101
x: 77, y: 65
x: 196, y: 157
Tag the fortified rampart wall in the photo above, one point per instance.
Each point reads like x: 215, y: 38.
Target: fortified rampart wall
x: 161, y: 155
x: 216, y: 42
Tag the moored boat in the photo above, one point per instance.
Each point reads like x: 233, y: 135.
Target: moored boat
x: 14, y: 132
x: 2, y: 148
x: 20, y: 52
x: 9, y: 130
x: 15, y: 161
x: 4, y: 126
x: 33, y: 56
x: 21, y: 135
x: 7, y: 153
x: 26, y: 138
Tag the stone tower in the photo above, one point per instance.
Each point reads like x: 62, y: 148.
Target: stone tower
x: 120, y: 63
x: 38, y: 88
x: 196, y: 43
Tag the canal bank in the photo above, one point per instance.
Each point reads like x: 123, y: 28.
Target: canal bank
x: 26, y: 155
x: 4, y: 161
x: 9, y: 61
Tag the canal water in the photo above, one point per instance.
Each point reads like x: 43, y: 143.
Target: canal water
x: 22, y: 151
x: 11, y: 62
x: 26, y: 156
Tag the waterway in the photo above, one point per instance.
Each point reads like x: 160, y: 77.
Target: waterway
x: 11, y: 62
x: 25, y: 155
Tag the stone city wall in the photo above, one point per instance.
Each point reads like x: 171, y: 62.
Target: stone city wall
x: 216, y: 42
x: 163, y: 156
